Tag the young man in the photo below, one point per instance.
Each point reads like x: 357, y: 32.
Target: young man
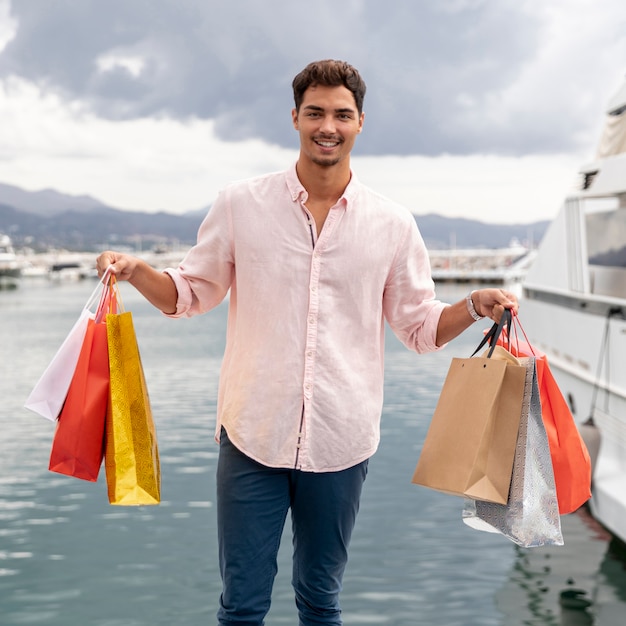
x: 315, y: 263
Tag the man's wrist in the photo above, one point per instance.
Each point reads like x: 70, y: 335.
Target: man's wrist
x: 471, y: 309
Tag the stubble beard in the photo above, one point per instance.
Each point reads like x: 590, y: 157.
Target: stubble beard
x: 326, y: 162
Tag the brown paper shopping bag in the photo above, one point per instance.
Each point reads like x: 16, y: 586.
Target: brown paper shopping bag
x: 470, y: 444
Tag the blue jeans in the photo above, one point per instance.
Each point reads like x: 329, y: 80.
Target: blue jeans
x: 252, y: 505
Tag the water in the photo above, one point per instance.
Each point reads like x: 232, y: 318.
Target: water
x: 67, y: 557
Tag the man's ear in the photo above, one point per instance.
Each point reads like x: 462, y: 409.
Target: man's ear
x: 294, y: 118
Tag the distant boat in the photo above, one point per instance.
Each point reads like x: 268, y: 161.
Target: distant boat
x: 496, y: 266
x: 10, y: 269
x: 71, y: 270
x: 574, y: 310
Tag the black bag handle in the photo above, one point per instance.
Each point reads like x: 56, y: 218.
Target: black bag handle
x: 495, y: 331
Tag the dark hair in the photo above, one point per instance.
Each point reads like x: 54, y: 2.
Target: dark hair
x: 329, y: 73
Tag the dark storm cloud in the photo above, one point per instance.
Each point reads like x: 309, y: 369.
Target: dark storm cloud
x: 429, y: 66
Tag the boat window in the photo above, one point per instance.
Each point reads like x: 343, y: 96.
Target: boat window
x: 588, y: 178
x: 606, y: 251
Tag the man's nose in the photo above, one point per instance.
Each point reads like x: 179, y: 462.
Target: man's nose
x: 328, y: 124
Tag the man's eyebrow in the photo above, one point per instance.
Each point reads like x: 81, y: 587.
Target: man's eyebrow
x: 314, y: 107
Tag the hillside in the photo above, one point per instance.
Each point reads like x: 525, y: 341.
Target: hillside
x: 96, y: 229
x: 47, y: 219
x: 442, y: 232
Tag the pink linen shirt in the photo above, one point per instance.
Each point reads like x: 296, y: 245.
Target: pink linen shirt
x: 301, y: 384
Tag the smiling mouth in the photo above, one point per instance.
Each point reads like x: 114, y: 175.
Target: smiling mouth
x: 327, y: 143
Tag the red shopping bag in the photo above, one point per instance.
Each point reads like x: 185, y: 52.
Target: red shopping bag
x: 570, y: 458
x: 77, y: 447
x: 78, y: 444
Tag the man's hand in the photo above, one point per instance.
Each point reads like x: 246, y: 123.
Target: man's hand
x: 157, y: 287
x: 492, y: 302
x: 486, y: 302
x: 123, y: 266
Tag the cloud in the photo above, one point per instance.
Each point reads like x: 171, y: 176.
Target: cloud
x: 482, y: 108
x: 151, y: 163
x: 493, y: 189
x: 159, y: 163
x: 114, y: 60
x: 451, y: 76
x: 8, y: 26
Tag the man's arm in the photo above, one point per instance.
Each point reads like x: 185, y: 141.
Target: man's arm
x: 157, y: 287
x: 486, y: 302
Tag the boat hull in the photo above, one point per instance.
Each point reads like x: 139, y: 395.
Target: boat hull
x: 9, y: 276
x: 584, y: 339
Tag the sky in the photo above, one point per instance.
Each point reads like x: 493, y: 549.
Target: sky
x: 482, y: 109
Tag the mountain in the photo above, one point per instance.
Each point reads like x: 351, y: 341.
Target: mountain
x: 46, y: 202
x: 48, y: 219
x: 94, y: 230
x: 442, y: 232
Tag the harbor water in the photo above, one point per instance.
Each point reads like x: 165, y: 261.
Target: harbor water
x: 69, y: 558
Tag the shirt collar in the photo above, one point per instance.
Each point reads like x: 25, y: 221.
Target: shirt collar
x: 298, y: 192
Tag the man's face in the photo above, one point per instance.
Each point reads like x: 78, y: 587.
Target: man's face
x: 328, y: 123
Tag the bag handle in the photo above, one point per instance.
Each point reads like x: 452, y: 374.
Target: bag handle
x: 102, y: 282
x: 511, y: 336
x: 495, y: 331
x: 110, y: 299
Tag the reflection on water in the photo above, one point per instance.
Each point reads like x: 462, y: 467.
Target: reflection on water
x: 582, y: 583
x: 67, y: 557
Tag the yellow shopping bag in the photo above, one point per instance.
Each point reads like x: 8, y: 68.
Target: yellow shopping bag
x: 131, y: 455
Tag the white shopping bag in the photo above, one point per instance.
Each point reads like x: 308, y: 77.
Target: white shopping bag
x: 48, y: 395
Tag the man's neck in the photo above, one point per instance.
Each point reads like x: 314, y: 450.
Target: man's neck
x: 323, y: 182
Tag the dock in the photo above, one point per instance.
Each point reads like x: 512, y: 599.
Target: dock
x: 492, y: 266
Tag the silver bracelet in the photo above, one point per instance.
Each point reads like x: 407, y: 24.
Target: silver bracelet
x: 470, y: 307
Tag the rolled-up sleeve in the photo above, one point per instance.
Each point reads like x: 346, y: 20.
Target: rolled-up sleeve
x: 185, y: 297
x: 410, y: 305
x: 206, y: 273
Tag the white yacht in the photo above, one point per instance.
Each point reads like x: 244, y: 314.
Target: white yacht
x: 10, y: 269
x: 574, y: 310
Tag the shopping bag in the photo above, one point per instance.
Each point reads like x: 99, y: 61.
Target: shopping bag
x: 531, y: 516
x: 50, y: 391
x: 131, y: 456
x: 470, y: 444
x: 570, y: 458
x: 77, y: 446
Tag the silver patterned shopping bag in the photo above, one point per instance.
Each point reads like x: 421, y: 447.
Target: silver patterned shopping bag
x: 531, y: 516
